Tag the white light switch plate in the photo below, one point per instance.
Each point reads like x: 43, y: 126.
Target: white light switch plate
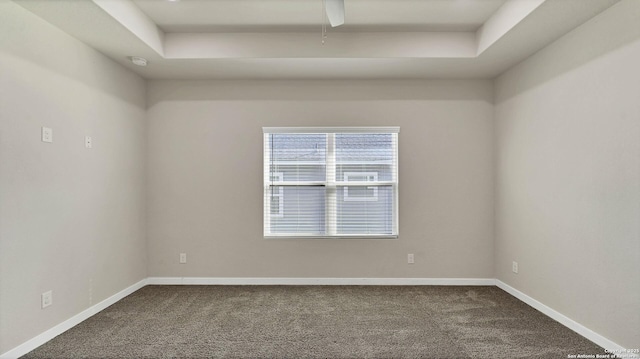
x: 87, y: 142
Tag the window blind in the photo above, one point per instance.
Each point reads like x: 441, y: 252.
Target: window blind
x: 331, y: 182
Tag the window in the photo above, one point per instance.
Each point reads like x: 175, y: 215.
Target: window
x: 331, y: 182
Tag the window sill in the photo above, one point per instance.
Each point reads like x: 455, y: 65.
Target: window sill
x: 341, y: 237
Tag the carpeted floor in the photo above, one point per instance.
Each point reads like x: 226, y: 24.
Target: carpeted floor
x: 317, y: 322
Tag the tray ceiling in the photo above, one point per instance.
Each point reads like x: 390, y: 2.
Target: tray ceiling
x: 281, y: 39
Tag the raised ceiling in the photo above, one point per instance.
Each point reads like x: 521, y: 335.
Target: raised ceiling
x: 306, y: 15
x: 281, y: 39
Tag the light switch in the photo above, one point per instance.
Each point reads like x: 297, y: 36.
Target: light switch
x: 87, y: 142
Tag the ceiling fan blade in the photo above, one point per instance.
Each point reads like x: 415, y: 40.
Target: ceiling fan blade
x: 335, y: 12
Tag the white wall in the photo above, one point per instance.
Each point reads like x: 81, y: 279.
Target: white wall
x: 568, y: 175
x: 205, y: 177
x: 72, y: 220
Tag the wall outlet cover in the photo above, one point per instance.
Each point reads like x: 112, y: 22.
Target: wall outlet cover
x: 47, y: 134
x: 47, y: 299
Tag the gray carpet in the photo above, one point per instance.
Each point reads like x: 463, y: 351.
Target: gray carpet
x: 317, y: 322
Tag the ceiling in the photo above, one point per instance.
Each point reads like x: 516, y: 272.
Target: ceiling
x: 306, y: 15
x: 281, y: 39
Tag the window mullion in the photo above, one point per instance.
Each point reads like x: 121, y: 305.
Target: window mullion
x: 331, y: 200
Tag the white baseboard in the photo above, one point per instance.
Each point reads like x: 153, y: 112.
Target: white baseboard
x: 44, y: 337
x: 317, y: 281
x: 566, y: 321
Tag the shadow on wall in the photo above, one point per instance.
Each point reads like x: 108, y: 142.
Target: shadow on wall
x: 613, y: 29
x: 314, y: 90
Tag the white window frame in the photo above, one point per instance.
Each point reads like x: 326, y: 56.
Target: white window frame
x: 330, y: 182
x: 374, y: 196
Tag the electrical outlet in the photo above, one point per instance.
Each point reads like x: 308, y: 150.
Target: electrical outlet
x: 514, y: 267
x: 47, y: 299
x: 87, y: 142
x: 183, y: 258
x: 410, y: 258
x: 47, y: 134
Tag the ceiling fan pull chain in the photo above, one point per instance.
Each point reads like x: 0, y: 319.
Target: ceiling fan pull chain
x: 324, y: 21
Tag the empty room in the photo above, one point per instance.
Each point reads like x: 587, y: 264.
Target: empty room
x: 319, y: 178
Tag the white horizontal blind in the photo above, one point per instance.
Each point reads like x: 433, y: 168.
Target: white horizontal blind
x: 330, y: 183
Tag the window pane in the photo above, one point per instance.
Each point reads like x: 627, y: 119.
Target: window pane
x: 303, y: 211
x: 369, y: 215
x: 299, y: 157
x: 366, y: 152
x: 353, y: 193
